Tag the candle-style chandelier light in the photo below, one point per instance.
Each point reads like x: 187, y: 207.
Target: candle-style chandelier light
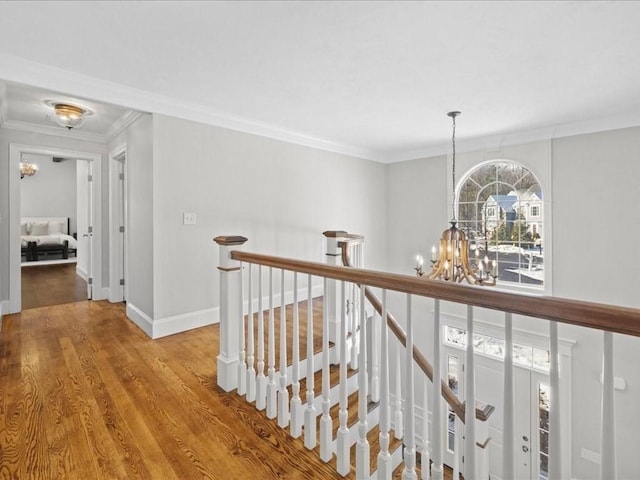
x: 451, y: 262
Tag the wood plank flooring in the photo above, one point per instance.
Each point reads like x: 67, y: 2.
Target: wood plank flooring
x: 85, y: 394
x: 46, y: 285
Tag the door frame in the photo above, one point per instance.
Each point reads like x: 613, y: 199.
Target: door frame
x: 118, y: 216
x: 526, y: 337
x: 15, y: 153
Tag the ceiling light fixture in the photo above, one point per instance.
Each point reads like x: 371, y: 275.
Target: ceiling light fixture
x: 451, y: 263
x: 68, y: 115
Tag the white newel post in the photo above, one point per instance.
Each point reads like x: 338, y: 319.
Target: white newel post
x: 333, y: 254
x: 230, y: 311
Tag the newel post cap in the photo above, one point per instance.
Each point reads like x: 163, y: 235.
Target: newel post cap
x: 335, y: 233
x: 230, y: 240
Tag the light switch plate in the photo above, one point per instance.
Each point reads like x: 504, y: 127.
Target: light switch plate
x: 189, y: 218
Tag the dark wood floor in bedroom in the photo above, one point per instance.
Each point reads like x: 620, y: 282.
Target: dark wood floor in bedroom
x: 47, y: 285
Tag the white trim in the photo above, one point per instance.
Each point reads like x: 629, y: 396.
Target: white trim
x: 15, y: 152
x: 496, y: 142
x: 20, y: 70
x: 116, y: 255
x: 121, y: 124
x: 55, y: 131
x: 185, y: 321
x: 140, y: 318
x: 82, y: 273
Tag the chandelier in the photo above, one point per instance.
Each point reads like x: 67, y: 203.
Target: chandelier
x: 68, y: 115
x: 451, y: 261
x: 28, y: 169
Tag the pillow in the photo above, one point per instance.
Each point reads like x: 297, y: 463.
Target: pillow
x: 25, y: 228
x: 39, y: 228
x: 55, y: 227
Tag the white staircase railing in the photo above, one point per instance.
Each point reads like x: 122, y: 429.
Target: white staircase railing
x: 348, y: 347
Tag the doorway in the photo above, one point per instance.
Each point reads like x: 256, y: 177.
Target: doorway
x: 94, y: 261
x: 531, y: 402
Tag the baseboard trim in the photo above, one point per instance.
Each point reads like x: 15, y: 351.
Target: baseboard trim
x: 186, y: 321
x: 140, y: 318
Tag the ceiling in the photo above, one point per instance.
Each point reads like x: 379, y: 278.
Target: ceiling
x: 371, y: 79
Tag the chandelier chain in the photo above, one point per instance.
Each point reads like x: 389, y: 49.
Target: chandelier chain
x: 453, y: 170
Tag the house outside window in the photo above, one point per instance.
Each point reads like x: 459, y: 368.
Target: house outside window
x: 501, y: 210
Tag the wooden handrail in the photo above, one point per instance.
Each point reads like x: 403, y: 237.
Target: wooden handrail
x: 610, y: 318
x: 456, y: 405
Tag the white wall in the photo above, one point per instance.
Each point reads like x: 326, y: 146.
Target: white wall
x: 140, y: 172
x: 596, y: 180
x: 279, y: 195
x: 590, y: 185
x: 52, y: 191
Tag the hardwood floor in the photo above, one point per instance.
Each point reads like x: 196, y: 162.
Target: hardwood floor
x: 46, y: 285
x: 85, y: 394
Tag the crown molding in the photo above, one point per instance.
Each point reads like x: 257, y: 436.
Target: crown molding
x: 55, y: 131
x: 20, y: 70
x: 496, y: 142
x: 123, y: 122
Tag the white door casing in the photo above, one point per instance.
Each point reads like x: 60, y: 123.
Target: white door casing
x: 489, y: 389
x: 117, y: 225
x: 15, y: 153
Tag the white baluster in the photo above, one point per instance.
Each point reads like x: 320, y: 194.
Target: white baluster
x: 272, y: 407
x: 251, y: 371
x: 608, y: 440
x: 425, y: 456
x: 409, y: 472
x: 326, y: 422
x: 555, y: 450
x: 296, y: 402
x: 457, y: 444
x: 470, y: 472
x: 310, y: 412
x: 385, y: 469
x: 261, y: 381
x: 355, y: 338
x: 242, y: 365
x: 398, y: 421
x: 283, y: 394
x: 343, y: 450
x: 374, y: 388
x: 362, y: 446
x: 508, y: 434
x: 436, y: 399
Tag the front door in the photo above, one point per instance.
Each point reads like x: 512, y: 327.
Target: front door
x: 531, y: 413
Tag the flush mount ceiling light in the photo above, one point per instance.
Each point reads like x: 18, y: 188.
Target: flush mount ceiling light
x: 68, y: 115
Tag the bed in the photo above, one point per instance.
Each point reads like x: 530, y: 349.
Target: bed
x: 45, y: 236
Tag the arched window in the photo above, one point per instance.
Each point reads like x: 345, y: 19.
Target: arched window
x: 501, y: 209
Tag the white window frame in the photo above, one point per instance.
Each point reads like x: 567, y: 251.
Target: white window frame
x: 545, y: 288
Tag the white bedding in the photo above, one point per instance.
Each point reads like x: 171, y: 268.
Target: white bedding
x: 52, y: 239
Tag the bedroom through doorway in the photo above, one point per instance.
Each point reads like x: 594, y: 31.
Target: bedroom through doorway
x: 56, y: 230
